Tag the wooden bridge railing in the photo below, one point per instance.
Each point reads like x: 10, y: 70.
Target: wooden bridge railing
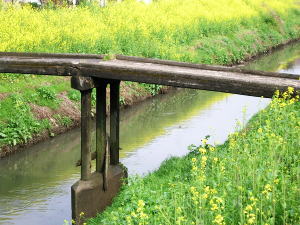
x: 95, y: 190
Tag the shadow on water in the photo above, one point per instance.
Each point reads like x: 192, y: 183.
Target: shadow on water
x: 35, y: 184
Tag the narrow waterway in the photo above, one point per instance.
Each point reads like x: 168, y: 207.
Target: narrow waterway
x: 35, y: 184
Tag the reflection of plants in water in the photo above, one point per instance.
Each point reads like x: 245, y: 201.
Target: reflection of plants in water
x: 277, y: 60
x: 162, y: 112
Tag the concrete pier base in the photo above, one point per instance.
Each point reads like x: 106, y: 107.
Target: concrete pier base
x: 89, y: 196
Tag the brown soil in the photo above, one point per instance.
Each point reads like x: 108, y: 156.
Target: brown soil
x: 3, y: 96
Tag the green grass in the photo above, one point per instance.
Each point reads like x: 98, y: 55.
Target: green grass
x: 200, y: 31
x: 253, y: 178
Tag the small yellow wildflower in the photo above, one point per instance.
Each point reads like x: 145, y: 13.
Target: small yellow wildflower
x: 133, y: 214
x: 205, y: 196
x: 259, y: 130
x: 194, y: 168
x: 291, y: 90
x: 180, y: 219
x: 276, y: 181
x: 194, y: 160
x: 214, y: 207
x: 141, y: 203
x: 207, y: 189
x: 143, y: 215
x: 219, y: 219
x: 219, y: 200
x: 251, y: 219
x: 268, y: 187
x: 202, y: 150
x: 248, y: 208
x: 178, y: 209
x: 128, y: 219
x: 212, y: 148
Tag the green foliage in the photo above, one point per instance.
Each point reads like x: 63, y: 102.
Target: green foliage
x: 74, y: 95
x: 45, y: 96
x: 153, y: 89
x: 251, y: 179
x: 63, y: 120
x: 20, y: 124
x: 46, y: 93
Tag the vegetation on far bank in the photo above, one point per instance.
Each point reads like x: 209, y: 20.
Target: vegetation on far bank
x: 213, y: 32
x: 253, y: 178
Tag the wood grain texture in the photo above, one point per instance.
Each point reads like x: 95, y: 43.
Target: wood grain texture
x: 86, y: 134
x: 100, y: 125
x: 114, y: 121
x: 152, y: 71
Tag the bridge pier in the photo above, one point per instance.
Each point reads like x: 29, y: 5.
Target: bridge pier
x: 95, y: 190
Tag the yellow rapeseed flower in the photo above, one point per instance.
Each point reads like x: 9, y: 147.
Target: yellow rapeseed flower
x: 202, y: 150
x: 214, y: 207
x: 219, y: 219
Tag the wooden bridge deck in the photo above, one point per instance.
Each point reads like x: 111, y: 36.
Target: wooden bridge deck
x: 153, y: 71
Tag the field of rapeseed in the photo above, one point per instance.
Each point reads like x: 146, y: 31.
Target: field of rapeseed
x: 251, y: 179
x: 213, y: 32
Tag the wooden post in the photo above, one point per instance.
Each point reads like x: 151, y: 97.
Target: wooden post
x: 114, y: 121
x: 100, y: 125
x: 86, y: 134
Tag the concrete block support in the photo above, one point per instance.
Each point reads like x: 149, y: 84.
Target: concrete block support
x: 89, y: 196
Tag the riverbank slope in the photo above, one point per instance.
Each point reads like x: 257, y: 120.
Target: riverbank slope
x: 253, y: 178
x: 34, y: 108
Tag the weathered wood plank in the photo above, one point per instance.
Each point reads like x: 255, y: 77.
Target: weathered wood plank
x: 100, y: 124
x: 86, y: 134
x: 114, y: 121
x: 222, y: 81
x: 154, y: 71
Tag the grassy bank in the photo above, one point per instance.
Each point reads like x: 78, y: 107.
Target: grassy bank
x: 214, y: 32
x: 253, y: 178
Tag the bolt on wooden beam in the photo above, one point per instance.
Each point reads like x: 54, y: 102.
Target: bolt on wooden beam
x: 86, y: 134
x: 114, y: 121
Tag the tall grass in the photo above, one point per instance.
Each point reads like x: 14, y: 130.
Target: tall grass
x: 191, y: 30
x: 253, y: 178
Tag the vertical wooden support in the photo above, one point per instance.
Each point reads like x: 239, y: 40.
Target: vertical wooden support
x: 114, y: 121
x: 100, y: 125
x: 94, y: 191
x: 86, y: 134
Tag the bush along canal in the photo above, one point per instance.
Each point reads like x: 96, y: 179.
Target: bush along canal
x: 152, y: 131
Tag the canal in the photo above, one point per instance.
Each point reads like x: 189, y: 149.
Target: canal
x: 35, y: 184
